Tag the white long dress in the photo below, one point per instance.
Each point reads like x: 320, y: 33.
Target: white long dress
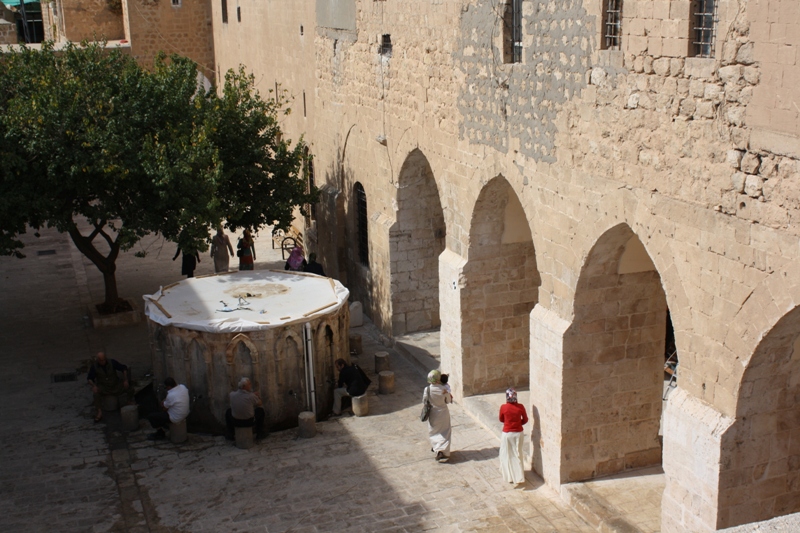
x: 439, y: 429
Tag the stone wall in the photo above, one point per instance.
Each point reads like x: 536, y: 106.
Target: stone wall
x: 78, y: 20
x: 8, y: 32
x: 152, y: 26
x: 675, y: 148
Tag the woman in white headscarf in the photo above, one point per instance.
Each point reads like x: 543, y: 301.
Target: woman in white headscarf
x: 439, y: 421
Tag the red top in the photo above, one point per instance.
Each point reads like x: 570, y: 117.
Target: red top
x: 513, y: 417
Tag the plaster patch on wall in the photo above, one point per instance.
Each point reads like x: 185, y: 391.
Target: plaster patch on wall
x: 499, y: 101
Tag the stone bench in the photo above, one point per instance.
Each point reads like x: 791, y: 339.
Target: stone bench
x: 177, y: 432
x: 361, y: 405
x: 386, y: 382
x: 244, y: 437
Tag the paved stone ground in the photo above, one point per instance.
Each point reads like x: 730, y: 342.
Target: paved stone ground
x: 60, y: 472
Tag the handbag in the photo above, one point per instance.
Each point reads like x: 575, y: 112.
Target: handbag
x: 426, y: 407
x: 239, y: 246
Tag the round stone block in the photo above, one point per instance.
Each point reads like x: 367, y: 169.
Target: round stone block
x: 386, y: 382
x: 177, y: 432
x: 306, y: 425
x: 381, y: 362
x: 110, y: 402
x: 244, y: 438
x: 130, y: 417
x: 360, y: 405
x: 355, y: 344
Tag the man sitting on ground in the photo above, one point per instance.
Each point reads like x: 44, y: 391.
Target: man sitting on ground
x: 105, y: 381
x: 245, y: 411
x: 175, y: 409
x: 352, y: 382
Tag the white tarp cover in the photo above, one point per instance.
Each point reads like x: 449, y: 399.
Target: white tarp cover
x: 273, y: 299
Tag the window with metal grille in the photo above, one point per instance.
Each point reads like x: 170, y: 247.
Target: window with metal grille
x: 704, y: 24
x: 512, y: 31
x: 612, y: 24
x: 224, y: 11
x: 361, y: 224
x: 176, y: 3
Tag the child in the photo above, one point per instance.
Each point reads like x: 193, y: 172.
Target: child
x: 443, y: 380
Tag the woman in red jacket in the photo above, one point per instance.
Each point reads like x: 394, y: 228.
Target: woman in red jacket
x: 513, y: 417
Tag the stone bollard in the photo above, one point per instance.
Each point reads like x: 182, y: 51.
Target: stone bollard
x: 381, y: 362
x: 386, y: 382
x: 360, y: 405
x: 356, y: 315
x: 306, y: 425
x: 244, y: 438
x: 177, y: 432
x: 130, y: 417
x: 355, y: 344
x: 109, y: 402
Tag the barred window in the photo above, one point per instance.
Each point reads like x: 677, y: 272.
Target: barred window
x: 512, y: 31
x: 703, y: 27
x: 361, y: 224
x: 612, y: 24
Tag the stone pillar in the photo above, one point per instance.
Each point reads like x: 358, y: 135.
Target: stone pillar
x: 450, y: 269
x: 381, y: 362
x: 693, y: 432
x: 130, y: 417
x: 386, y: 382
x: 244, y: 438
x: 546, y: 372
x: 306, y: 425
x: 361, y: 405
x: 177, y: 432
x: 355, y: 344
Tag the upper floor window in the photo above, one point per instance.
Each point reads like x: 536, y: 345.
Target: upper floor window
x: 361, y: 224
x: 224, y: 11
x: 512, y: 31
x: 176, y: 3
x: 612, y: 24
x: 703, y: 27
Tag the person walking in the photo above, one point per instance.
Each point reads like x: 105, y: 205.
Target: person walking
x: 220, y: 246
x: 247, y: 251
x: 513, y: 417
x: 189, y: 261
x: 439, y: 429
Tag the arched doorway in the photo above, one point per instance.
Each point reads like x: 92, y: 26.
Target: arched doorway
x: 613, y: 364
x: 416, y: 240
x: 760, y: 455
x: 501, y: 283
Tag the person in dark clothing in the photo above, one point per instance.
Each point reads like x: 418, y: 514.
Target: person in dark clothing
x: 105, y: 381
x: 352, y: 382
x: 188, y: 261
x: 313, y: 266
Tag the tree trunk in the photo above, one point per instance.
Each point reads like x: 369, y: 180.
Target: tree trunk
x: 107, y: 265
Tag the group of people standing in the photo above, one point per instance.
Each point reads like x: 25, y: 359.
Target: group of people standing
x: 512, y: 415
x: 222, y: 251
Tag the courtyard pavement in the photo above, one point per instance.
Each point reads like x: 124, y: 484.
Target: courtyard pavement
x: 61, y: 472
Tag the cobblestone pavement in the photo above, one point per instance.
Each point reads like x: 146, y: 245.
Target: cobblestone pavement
x: 61, y: 472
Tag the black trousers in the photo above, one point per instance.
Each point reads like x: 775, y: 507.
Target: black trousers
x: 159, y: 420
x: 257, y: 422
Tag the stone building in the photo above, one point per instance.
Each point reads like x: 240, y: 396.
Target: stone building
x: 558, y: 185
x: 149, y: 26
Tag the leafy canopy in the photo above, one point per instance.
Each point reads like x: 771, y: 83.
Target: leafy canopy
x: 86, y: 132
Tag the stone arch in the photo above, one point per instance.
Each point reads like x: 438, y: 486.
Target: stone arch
x: 500, y: 287
x: 241, y: 356
x: 325, y: 342
x: 290, y: 381
x: 760, y: 452
x: 613, y: 359
x: 416, y: 240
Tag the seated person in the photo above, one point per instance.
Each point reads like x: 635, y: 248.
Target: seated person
x: 352, y: 382
x: 175, y: 409
x: 105, y: 381
x: 313, y: 266
x: 245, y: 411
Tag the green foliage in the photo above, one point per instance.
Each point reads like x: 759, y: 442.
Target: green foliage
x: 87, y: 132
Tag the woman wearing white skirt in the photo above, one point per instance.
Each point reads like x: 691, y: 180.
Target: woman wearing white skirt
x: 513, y: 417
x: 439, y: 421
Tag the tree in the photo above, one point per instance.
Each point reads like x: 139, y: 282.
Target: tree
x: 87, y: 132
